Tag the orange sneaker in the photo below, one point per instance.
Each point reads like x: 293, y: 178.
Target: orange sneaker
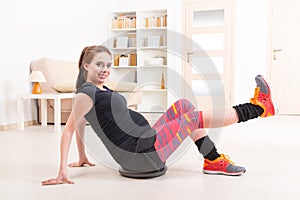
x: 262, y: 97
x: 222, y: 165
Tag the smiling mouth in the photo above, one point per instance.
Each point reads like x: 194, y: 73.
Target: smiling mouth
x: 102, y: 76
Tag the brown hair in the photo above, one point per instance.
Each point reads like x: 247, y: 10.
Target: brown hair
x: 87, y: 55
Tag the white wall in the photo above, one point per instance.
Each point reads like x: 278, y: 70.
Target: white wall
x: 60, y: 29
x: 250, y: 46
x: 32, y: 29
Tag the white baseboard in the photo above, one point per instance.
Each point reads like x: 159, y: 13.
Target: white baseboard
x: 15, y: 126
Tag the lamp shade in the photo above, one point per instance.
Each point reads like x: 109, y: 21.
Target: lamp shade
x: 37, y: 76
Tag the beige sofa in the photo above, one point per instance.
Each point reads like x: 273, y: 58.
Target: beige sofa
x: 61, y: 77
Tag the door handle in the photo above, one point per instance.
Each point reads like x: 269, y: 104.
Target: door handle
x: 188, y: 55
x: 274, y: 53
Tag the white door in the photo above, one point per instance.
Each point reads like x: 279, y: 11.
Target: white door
x: 285, y: 58
x: 208, y: 69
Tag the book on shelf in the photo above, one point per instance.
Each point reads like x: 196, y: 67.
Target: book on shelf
x: 133, y: 59
x: 124, y: 22
x: 116, y: 59
x: 131, y: 40
x: 156, y: 21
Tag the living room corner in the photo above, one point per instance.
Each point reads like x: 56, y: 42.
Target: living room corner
x: 49, y: 36
x: 55, y: 29
x: 32, y: 30
x: 60, y: 29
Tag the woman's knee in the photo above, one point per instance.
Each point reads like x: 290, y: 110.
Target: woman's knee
x: 185, y: 103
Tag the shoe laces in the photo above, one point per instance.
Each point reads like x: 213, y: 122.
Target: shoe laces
x: 256, y: 94
x: 227, y: 158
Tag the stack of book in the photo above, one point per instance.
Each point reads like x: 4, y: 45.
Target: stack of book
x: 124, y: 22
x: 156, y: 21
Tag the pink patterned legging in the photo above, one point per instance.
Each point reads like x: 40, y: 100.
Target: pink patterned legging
x: 178, y: 122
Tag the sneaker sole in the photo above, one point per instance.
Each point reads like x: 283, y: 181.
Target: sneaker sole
x: 276, y: 109
x: 223, y: 173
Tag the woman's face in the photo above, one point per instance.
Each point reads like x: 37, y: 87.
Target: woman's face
x: 99, y: 69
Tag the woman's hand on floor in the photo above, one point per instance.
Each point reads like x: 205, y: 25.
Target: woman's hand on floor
x: 81, y: 163
x: 61, y: 179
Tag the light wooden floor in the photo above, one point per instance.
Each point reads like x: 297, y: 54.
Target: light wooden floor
x: 268, y: 148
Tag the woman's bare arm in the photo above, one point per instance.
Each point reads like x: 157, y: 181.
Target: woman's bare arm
x: 82, y: 104
x: 83, y: 160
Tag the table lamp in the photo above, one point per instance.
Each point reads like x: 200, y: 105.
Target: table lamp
x: 37, y: 77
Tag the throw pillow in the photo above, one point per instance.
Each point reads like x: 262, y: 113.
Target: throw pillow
x: 65, y: 87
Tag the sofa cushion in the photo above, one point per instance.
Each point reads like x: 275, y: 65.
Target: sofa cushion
x: 65, y: 87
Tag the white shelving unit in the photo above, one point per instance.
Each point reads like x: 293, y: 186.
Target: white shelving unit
x: 146, y: 32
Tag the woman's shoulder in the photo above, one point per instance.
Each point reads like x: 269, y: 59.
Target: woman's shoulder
x: 87, y: 86
x: 89, y: 89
